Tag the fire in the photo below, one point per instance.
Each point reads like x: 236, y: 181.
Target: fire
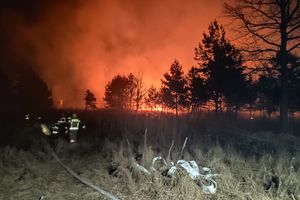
x: 61, y: 103
x: 147, y: 108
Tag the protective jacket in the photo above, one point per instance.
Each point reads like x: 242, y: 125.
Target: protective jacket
x: 55, y: 128
x: 74, y: 123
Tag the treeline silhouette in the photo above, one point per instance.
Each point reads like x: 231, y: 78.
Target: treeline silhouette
x: 222, y: 80
x: 263, y: 74
x: 23, y: 91
x: 23, y: 94
x: 268, y: 32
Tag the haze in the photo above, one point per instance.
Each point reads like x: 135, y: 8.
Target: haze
x: 80, y: 45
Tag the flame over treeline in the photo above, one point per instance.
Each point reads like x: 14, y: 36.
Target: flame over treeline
x: 82, y: 44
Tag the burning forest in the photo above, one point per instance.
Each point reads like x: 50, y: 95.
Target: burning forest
x: 150, y: 99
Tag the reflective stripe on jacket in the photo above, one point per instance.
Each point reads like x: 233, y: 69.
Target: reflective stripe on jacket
x: 74, y: 124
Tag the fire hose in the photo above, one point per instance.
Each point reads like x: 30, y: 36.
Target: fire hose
x: 106, y: 194
x: 190, y: 167
x: 84, y: 181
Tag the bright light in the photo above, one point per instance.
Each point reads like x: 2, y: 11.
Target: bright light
x: 156, y: 109
x: 61, y: 103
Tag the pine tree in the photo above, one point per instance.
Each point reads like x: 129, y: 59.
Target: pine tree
x: 268, y: 93
x: 221, y: 65
x: 120, y: 92
x: 198, y: 93
x: 174, y: 90
x: 31, y: 93
x: 90, y: 100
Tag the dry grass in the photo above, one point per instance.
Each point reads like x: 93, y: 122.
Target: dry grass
x: 27, y: 176
x: 258, y: 166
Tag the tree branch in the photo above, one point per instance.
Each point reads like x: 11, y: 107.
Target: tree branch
x: 258, y: 69
x: 260, y: 36
x: 258, y: 59
x: 294, y: 38
x: 294, y: 47
x: 259, y: 50
x: 290, y: 17
x: 294, y: 28
x: 264, y: 13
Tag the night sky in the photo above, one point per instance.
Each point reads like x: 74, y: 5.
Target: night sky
x: 75, y: 45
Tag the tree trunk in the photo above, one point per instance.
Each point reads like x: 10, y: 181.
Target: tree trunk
x: 250, y: 111
x: 284, y: 107
x: 216, y: 102
x: 283, y: 61
x: 236, y: 111
x: 137, y: 105
x: 216, y: 105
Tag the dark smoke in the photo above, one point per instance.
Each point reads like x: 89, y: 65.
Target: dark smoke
x: 82, y: 44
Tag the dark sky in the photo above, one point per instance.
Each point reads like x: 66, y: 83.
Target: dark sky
x: 81, y: 44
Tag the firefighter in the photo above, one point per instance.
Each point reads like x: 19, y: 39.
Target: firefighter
x: 63, y: 125
x: 27, y: 117
x: 74, y: 123
x: 62, y: 119
x: 55, y: 128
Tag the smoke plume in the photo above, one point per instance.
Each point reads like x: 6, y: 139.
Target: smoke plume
x: 76, y: 45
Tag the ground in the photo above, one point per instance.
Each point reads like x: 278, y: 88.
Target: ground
x: 250, y: 165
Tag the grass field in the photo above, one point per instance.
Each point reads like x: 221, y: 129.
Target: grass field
x: 252, y: 162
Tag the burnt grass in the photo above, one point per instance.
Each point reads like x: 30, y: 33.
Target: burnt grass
x: 252, y: 159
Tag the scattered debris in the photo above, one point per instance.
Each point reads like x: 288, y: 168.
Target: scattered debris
x: 202, y: 177
x: 190, y: 167
x: 138, y: 167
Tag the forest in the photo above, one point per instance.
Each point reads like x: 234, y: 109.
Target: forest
x: 227, y: 127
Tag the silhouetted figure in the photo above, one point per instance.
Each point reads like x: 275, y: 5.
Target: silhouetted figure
x: 74, y: 123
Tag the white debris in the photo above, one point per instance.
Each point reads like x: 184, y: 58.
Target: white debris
x: 155, y: 160
x: 138, y: 167
x: 172, y: 171
x: 202, y: 176
x: 211, y: 188
x: 190, y: 167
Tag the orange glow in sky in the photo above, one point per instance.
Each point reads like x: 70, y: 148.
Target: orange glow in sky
x: 82, y: 45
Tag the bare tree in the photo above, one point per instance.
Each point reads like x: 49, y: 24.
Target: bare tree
x: 153, y: 98
x: 269, y: 28
x: 125, y: 92
x: 140, y: 90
